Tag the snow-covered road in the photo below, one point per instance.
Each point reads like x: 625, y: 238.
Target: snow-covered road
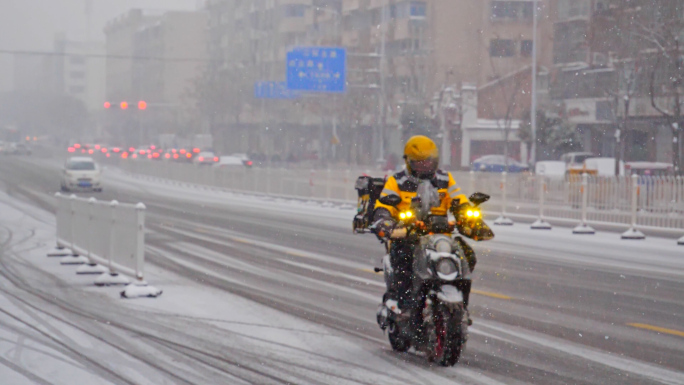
x: 272, y: 291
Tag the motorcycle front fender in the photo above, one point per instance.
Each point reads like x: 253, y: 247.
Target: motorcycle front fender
x: 450, y: 295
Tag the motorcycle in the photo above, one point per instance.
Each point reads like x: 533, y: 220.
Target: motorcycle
x: 437, y: 324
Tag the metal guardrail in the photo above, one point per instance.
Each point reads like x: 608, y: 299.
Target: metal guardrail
x: 105, y: 238
x: 659, y: 203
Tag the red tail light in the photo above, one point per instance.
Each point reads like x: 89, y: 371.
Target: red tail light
x: 182, y: 151
x: 175, y: 156
x: 155, y: 155
x: 77, y: 145
x: 116, y: 150
x: 189, y: 155
x: 90, y: 151
x: 135, y: 156
x: 124, y: 155
x: 104, y: 150
x: 249, y: 162
x: 107, y: 155
x: 167, y: 155
x: 71, y: 149
x: 174, y: 151
x: 97, y: 146
x: 216, y: 159
x: 195, y: 150
x: 201, y: 159
x: 131, y: 149
x: 149, y: 156
x: 153, y: 147
x: 142, y: 152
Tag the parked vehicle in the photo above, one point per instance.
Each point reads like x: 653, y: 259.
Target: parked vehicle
x: 575, y: 160
x: 649, y: 168
x: 603, y: 166
x: 497, y: 163
x: 81, y: 174
x: 550, y: 168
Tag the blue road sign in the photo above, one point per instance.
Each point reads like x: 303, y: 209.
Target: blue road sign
x: 273, y: 90
x: 317, y: 69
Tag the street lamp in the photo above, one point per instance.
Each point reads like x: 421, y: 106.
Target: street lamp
x: 533, y: 117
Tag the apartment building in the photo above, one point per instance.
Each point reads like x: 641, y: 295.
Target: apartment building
x: 176, y: 50
x: 155, y: 57
x: 120, y: 46
x: 410, y: 49
x: 601, y: 61
x: 77, y: 69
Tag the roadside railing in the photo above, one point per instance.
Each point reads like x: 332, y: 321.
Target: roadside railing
x: 105, y: 238
x: 660, y: 200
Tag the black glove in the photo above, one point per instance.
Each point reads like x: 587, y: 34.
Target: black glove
x: 383, y: 228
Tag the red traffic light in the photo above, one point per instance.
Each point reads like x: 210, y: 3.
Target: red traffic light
x: 124, y: 105
x: 142, y: 105
x: 107, y: 104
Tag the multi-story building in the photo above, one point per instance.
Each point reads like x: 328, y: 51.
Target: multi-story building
x: 604, y: 60
x: 120, y: 44
x: 400, y: 53
x: 155, y: 57
x: 76, y: 69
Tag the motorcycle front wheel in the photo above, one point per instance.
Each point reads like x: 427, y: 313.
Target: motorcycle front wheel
x: 445, y: 334
x: 397, y: 340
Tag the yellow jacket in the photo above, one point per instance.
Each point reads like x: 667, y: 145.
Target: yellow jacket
x: 402, y: 185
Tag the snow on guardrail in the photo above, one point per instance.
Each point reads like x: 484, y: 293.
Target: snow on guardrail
x: 105, y: 238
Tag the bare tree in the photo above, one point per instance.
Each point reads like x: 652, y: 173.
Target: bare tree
x: 664, y: 33
x: 510, y: 89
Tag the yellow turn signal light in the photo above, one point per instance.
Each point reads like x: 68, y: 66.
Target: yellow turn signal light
x: 406, y: 215
x: 473, y: 214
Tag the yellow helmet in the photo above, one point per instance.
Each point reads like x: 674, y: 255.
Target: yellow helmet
x: 422, y: 157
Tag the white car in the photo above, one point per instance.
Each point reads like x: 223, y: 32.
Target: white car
x: 230, y: 161
x: 81, y: 174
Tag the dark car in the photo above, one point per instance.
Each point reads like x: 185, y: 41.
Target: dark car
x: 496, y: 163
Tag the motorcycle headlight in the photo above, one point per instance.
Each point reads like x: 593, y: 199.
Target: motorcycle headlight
x: 446, y: 267
x: 443, y: 246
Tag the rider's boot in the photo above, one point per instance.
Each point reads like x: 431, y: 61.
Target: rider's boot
x: 389, y: 309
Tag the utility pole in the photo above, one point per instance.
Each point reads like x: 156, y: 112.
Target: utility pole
x: 381, y: 99
x: 533, y: 118
x: 446, y: 138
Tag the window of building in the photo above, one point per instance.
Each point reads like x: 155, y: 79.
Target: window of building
x: 501, y: 48
x: 376, y: 16
x: 76, y: 90
x: 294, y: 10
x: 418, y: 9
x: 505, y: 9
x: 512, y: 10
x: 77, y: 60
x: 526, y: 48
x: 528, y: 10
x: 77, y: 75
x: 393, y: 11
x: 568, y: 9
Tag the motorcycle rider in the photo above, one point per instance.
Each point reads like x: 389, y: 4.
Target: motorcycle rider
x: 422, y: 158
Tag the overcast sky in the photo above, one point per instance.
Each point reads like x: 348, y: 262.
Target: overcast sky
x: 32, y: 24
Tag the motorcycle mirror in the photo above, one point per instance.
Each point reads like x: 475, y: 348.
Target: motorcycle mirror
x: 390, y: 200
x: 479, y: 198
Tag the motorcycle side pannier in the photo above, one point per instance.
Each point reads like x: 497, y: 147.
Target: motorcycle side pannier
x: 369, y: 190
